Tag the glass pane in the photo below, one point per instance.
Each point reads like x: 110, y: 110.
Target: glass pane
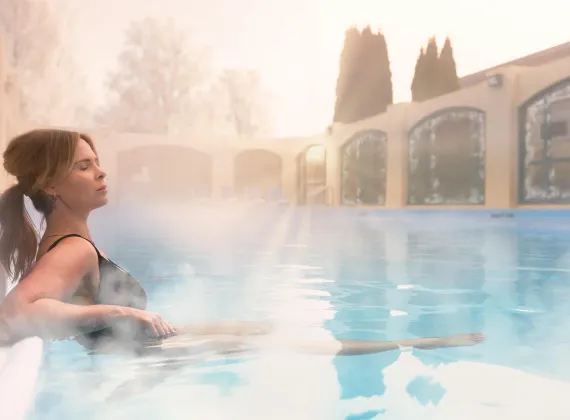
x: 447, y: 159
x: 363, y: 178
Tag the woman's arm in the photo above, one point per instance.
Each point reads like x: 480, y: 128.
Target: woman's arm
x: 36, y: 306
x: 53, y: 319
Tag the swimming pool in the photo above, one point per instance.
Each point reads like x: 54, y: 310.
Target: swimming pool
x: 323, y: 272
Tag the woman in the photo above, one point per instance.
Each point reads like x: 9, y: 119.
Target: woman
x: 68, y: 288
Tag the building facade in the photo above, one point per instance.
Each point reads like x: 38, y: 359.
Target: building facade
x: 501, y: 142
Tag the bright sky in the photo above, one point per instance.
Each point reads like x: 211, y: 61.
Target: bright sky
x: 295, y: 44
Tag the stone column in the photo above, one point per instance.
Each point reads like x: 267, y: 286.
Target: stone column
x: 397, y: 160
x: 501, y: 147
x: 397, y: 168
x: 222, y: 172
x: 333, y: 171
x: 289, y: 177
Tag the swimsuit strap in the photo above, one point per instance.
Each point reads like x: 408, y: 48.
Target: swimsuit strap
x: 53, y: 245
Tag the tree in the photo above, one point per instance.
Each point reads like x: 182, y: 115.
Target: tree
x: 364, y: 85
x: 435, y: 74
x: 418, y: 82
x: 449, y: 81
x: 347, y: 76
x: 245, y: 102
x: 431, y: 69
x: 48, y: 82
x: 375, y: 81
x: 158, y: 80
x: 384, y: 87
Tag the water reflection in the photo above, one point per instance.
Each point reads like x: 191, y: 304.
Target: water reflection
x: 481, y: 278
x: 370, y: 277
x: 359, y: 296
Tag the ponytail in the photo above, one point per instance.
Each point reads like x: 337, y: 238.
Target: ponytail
x: 18, y: 237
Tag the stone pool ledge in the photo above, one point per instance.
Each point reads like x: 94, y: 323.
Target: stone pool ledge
x: 19, y: 369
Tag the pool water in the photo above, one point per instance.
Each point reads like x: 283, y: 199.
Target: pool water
x: 322, y: 273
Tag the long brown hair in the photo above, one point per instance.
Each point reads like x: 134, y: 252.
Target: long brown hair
x: 36, y: 158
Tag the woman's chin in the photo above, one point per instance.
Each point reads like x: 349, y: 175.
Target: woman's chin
x: 102, y: 203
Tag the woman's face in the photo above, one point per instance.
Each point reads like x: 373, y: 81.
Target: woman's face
x: 83, y: 189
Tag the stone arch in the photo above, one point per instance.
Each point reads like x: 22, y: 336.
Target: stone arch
x: 312, y: 175
x: 544, y: 146
x: 164, y: 173
x: 257, y: 173
x: 446, y: 158
x: 363, y: 163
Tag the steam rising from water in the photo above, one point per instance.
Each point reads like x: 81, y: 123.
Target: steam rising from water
x: 375, y: 275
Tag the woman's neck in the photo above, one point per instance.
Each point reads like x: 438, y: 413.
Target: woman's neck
x: 58, y: 223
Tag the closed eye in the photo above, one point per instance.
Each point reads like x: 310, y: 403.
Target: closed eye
x: 85, y: 164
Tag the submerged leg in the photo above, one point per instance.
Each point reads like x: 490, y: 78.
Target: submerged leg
x: 239, y: 328
x: 228, y: 343
x: 356, y: 347
x: 231, y: 344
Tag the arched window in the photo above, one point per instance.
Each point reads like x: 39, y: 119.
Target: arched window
x: 544, y: 161
x: 447, y: 158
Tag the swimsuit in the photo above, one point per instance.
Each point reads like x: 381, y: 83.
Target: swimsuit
x: 116, y: 287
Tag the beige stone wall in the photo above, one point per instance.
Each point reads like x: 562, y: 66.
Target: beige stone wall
x: 111, y: 146
x: 499, y: 105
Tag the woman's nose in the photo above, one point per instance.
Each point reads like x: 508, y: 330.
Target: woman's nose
x: 102, y: 174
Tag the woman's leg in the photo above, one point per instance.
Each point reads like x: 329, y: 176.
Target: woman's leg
x: 232, y: 344
x: 238, y: 328
x: 342, y: 347
x: 357, y: 347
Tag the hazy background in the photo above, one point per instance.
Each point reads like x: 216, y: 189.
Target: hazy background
x: 294, y: 45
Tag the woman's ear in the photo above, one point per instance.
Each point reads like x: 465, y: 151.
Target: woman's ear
x: 50, y: 190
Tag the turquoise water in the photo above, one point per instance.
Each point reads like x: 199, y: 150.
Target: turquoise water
x: 347, y: 273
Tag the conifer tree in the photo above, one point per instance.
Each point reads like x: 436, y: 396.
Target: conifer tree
x: 347, y: 75
x: 435, y: 74
x: 449, y: 81
x: 364, y: 85
x: 431, y: 69
x: 385, y: 93
x: 418, y: 82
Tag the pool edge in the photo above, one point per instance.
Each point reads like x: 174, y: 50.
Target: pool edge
x: 19, y: 370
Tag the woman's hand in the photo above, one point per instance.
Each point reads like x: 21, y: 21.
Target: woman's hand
x: 151, y: 324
